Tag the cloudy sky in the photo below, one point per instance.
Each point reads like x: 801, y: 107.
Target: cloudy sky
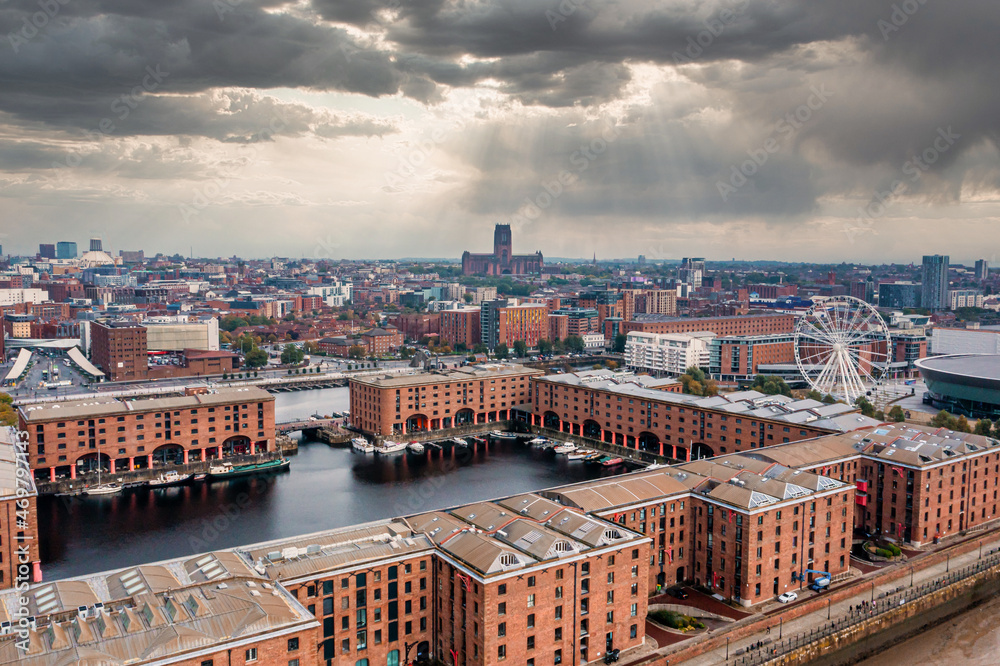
x: 855, y: 130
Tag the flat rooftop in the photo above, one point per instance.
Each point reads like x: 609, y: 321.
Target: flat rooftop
x: 106, y: 406
x: 464, y: 374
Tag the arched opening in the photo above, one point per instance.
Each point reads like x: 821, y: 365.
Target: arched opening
x: 680, y: 574
x: 88, y: 462
x: 168, y: 454
x: 649, y: 442
x: 464, y: 417
x: 423, y: 651
x: 682, y: 453
x: 591, y: 429
x: 236, y: 446
x: 417, y: 422
x: 701, y: 450
x: 551, y: 420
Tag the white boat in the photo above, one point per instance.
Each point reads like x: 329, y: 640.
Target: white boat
x: 538, y: 441
x: 104, y: 489
x: 656, y: 466
x: 497, y: 434
x: 580, y: 454
x: 568, y: 447
x: 363, y: 445
x: 171, y: 478
x: 459, y: 441
x: 390, y: 447
x: 415, y: 447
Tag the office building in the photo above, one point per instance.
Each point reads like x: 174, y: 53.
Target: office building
x: 982, y: 269
x: 736, y: 358
x: 66, y: 250
x: 902, y: 295
x: 47, y: 251
x: 692, y: 271
x: 461, y: 327
x: 119, y: 348
x: 934, y: 290
x: 732, y: 325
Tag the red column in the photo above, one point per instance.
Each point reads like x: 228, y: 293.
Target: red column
x: 112, y: 469
x: 673, y: 452
x: 131, y: 464
x: 149, y: 461
x: 687, y: 454
x: 186, y: 456
x: 253, y: 448
x: 661, y: 448
x: 72, y: 471
x: 52, y: 473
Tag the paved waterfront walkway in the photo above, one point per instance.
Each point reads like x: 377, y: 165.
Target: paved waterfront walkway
x: 841, y: 608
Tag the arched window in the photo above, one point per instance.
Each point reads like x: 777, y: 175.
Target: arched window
x: 508, y: 560
x: 392, y: 659
x: 361, y: 662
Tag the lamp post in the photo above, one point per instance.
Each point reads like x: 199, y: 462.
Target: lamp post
x: 873, y: 592
x: 780, y: 624
x: 911, y: 575
x: 947, y: 565
x: 829, y: 602
x: 727, y: 648
x: 406, y: 655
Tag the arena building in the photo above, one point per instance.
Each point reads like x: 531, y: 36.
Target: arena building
x: 963, y: 383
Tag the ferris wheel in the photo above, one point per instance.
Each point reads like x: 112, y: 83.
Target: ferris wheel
x: 842, y: 347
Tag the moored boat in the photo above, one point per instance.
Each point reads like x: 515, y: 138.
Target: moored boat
x: 498, y: 434
x: 415, y: 447
x: 458, y: 441
x: 103, y: 489
x: 199, y: 477
x: 363, y: 445
x: 611, y: 462
x: 581, y: 454
x: 567, y: 447
x: 538, y: 441
x: 228, y: 470
x: 390, y: 447
x: 171, y: 478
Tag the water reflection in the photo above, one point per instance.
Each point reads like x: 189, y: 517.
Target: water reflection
x: 324, y: 488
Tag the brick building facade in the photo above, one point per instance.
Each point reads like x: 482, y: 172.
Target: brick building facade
x: 763, y: 324
x: 77, y: 436
x: 435, y: 400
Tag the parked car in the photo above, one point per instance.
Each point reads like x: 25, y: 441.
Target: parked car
x: 678, y: 593
x: 612, y: 656
x: 788, y: 597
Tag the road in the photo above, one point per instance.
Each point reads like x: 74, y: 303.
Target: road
x: 840, y: 609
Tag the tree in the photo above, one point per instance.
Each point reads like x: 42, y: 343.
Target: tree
x: 343, y: 316
x: 897, y: 414
x: 520, y: 348
x: 942, y: 419
x: 501, y: 351
x: 962, y: 424
x: 8, y: 416
x: 544, y: 347
x: 467, y: 297
x: 771, y: 386
x: 310, y: 347
x: 356, y: 352
x: 984, y: 427
x: 866, y: 407
x: 619, y: 343
x: 292, y: 355
x: 814, y: 395
x: 829, y: 399
x: 575, y: 344
x: 479, y: 348
x: 405, y: 352
x: 256, y: 358
x: 695, y: 382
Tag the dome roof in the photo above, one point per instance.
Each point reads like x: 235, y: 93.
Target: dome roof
x: 96, y: 258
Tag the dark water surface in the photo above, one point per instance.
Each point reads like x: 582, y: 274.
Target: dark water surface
x: 325, y: 488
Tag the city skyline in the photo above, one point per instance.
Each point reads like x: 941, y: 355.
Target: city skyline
x: 379, y: 129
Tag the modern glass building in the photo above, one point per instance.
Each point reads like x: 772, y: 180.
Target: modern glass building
x: 934, y: 294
